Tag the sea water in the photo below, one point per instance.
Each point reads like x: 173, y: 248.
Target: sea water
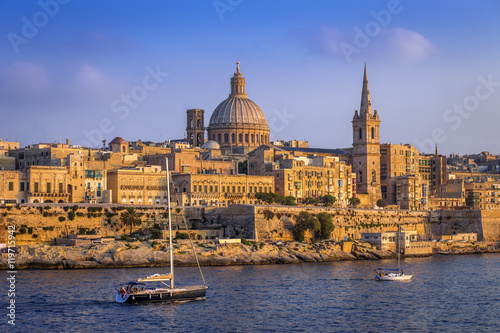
x: 446, y: 294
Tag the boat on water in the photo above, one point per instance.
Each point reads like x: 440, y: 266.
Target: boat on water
x: 393, y: 274
x: 154, y: 288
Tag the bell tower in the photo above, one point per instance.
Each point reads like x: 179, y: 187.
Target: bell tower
x: 195, y: 127
x: 366, y: 146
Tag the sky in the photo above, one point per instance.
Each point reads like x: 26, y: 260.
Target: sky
x: 93, y: 70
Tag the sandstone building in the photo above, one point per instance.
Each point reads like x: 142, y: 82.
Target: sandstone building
x: 237, y: 122
x: 215, y: 190
x: 366, y: 147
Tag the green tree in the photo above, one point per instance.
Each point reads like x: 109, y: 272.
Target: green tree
x: 328, y: 200
x: 290, y: 201
x: 381, y: 203
x: 266, y: 197
x: 326, y: 223
x: 243, y: 167
x: 305, y: 221
x: 354, y: 202
x: 311, y: 201
x: 130, y: 218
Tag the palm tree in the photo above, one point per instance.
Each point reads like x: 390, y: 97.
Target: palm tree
x: 129, y: 217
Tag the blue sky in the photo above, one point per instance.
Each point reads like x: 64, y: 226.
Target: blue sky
x: 67, y: 67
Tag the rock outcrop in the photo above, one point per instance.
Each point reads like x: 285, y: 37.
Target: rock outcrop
x: 145, y: 254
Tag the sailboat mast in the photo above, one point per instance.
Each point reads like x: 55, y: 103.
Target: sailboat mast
x: 399, y: 245
x: 170, y: 227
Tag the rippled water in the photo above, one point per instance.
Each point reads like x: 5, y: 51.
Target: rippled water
x: 447, y: 293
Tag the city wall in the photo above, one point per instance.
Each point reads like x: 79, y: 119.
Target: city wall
x: 260, y: 222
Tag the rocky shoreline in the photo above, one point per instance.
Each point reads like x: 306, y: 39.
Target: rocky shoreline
x: 120, y: 254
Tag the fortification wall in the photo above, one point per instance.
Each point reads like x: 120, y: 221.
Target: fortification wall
x: 276, y: 222
x: 490, y: 220
x: 44, y: 223
x: 261, y: 222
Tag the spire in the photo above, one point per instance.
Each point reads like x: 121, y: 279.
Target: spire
x: 237, y: 83
x: 366, y: 104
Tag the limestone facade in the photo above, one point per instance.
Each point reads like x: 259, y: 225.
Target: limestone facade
x: 45, y: 184
x: 217, y: 190
x: 195, y: 127
x: 483, y: 195
x: 366, y: 146
x: 313, y: 176
x: 12, y: 187
x: 138, y: 186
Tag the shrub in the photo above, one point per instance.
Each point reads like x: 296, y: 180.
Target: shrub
x: 381, y: 203
x: 244, y: 241
x: 74, y: 208
x: 30, y: 230
x: 181, y: 235
x: 66, y: 208
x: 45, y: 214
x: 22, y: 230
x: 71, y: 215
x: 46, y: 207
x: 34, y: 236
x: 62, y: 219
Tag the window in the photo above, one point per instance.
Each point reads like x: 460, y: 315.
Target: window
x: 233, y: 138
x: 11, y: 186
x: 49, y: 187
x: 223, y: 189
x: 194, y: 188
x: 360, y: 133
x: 246, y: 138
x: 211, y: 188
x: 373, y: 133
x: 61, y: 187
x: 240, y: 137
x: 21, y: 185
x: 252, y: 138
x: 226, y: 137
x: 218, y: 137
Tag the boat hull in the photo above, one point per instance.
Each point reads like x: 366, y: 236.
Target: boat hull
x: 163, y: 295
x: 394, y: 277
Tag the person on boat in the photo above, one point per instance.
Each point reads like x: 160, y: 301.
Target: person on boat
x: 402, y: 273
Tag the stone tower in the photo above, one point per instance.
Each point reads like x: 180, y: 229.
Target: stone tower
x: 366, y: 147
x: 195, y: 127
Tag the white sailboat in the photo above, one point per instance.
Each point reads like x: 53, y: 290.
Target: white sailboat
x: 140, y: 292
x: 393, y: 274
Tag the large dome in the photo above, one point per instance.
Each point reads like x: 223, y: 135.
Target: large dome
x: 238, y: 110
x: 237, y: 121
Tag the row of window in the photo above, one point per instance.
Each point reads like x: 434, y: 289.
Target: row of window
x: 248, y: 138
x: 230, y: 189
x: 25, y: 186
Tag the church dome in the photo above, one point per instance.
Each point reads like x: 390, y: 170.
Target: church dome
x: 211, y: 144
x: 238, y: 108
x: 237, y: 121
x: 118, y: 140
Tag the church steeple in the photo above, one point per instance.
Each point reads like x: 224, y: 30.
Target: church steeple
x: 237, y: 83
x: 366, y: 104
